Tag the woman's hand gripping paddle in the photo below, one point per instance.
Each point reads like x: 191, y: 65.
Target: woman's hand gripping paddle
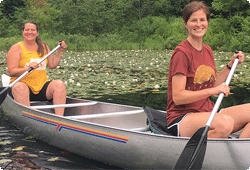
x: 194, y: 152
x: 4, y: 90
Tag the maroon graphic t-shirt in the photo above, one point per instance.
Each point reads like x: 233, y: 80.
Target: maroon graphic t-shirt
x: 200, y: 70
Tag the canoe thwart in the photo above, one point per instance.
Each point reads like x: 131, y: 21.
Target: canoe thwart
x: 101, y: 115
x: 63, y: 105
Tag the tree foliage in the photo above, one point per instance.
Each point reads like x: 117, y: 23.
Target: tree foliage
x: 229, y: 8
x: 147, y: 22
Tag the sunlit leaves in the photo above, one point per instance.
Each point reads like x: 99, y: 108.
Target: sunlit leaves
x: 53, y: 159
x: 19, y: 148
x: 5, y: 142
x: 4, y: 154
x: 3, y: 161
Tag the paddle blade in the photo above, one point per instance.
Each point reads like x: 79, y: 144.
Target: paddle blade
x: 3, y: 93
x: 194, y: 152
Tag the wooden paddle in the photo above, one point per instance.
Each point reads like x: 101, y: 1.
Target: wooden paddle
x: 194, y: 152
x: 4, y: 90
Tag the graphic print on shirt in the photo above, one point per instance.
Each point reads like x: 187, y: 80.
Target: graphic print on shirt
x: 204, y: 77
x: 41, y: 67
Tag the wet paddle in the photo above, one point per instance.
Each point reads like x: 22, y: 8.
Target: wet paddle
x: 4, y: 90
x: 194, y: 152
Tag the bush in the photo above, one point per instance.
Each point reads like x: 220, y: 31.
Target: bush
x: 154, y: 42
x: 244, y: 36
x: 176, y: 33
x: 218, y: 34
x: 149, y: 33
x: 7, y: 43
x: 236, y: 23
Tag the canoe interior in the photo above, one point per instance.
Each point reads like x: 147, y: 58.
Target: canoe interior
x: 115, y: 115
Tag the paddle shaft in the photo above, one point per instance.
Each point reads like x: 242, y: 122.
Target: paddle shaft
x: 213, y: 113
x: 31, y: 69
x: 221, y: 95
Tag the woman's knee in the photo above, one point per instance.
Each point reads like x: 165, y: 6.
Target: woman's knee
x: 224, y: 126
x: 59, y: 84
x: 20, y: 88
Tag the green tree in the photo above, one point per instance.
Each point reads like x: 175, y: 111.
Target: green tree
x: 229, y: 8
x: 94, y: 17
x: 42, y: 12
x: 39, y: 11
x: 10, y: 7
x: 2, y: 22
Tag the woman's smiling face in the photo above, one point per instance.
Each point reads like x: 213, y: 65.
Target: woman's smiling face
x: 197, y: 24
x: 30, y: 32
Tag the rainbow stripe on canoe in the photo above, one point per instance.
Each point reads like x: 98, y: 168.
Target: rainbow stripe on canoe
x: 79, y: 129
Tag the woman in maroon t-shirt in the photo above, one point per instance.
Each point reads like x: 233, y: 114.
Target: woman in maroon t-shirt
x: 193, y: 79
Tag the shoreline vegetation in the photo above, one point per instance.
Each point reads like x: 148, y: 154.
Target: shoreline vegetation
x: 123, y: 25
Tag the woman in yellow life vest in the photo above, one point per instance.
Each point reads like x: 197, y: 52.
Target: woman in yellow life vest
x: 35, y: 86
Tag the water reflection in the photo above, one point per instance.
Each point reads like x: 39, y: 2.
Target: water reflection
x: 19, y: 151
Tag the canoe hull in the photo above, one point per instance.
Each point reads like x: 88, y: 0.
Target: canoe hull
x: 120, y: 146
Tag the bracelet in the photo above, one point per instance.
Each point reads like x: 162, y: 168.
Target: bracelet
x: 229, y: 67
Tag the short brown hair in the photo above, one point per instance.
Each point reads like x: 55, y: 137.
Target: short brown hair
x: 193, y: 7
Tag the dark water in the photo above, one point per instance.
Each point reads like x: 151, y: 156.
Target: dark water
x: 34, y: 154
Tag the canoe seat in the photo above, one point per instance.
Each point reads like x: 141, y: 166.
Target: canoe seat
x: 157, y: 121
